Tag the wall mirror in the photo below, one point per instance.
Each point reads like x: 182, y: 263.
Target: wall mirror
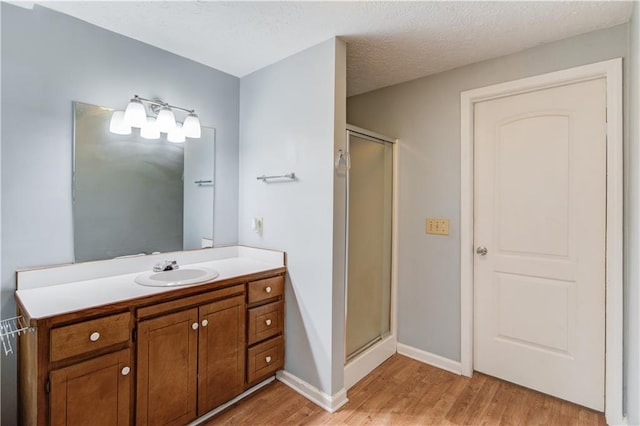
x: 133, y: 195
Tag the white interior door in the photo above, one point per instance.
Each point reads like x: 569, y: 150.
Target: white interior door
x: 540, y: 212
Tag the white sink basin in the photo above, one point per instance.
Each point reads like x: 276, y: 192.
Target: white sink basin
x: 183, y: 276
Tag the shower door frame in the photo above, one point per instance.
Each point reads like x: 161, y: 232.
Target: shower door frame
x: 374, y: 355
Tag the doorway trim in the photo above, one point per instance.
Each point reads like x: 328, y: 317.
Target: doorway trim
x: 611, y: 70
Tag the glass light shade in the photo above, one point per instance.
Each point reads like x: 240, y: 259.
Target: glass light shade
x: 135, y: 115
x: 150, y: 129
x: 166, y: 121
x: 117, y: 124
x: 177, y: 134
x: 191, y: 126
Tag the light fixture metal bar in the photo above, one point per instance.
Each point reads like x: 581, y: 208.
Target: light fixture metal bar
x: 163, y: 104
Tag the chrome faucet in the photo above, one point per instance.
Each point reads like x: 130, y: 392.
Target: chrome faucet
x: 167, y: 265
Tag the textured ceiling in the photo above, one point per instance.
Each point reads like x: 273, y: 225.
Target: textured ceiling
x: 387, y: 42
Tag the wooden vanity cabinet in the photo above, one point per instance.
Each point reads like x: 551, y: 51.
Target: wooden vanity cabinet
x: 166, y: 365
x: 221, y: 353
x: 191, y: 361
x: 77, y: 369
x: 265, y: 330
x: 90, y: 335
x: 95, y: 392
x: 165, y: 359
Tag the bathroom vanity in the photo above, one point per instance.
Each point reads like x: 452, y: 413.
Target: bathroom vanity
x: 106, y: 350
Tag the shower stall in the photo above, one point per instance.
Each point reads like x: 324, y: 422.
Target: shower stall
x: 369, y: 333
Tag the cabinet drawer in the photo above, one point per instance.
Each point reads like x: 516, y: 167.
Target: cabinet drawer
x: 87, y: 336
x: 266, y: 289
x: 265, y: 359
x: 265, y: 321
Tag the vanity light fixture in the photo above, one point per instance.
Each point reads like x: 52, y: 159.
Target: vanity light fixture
x: 135, y: 115
x: 117, y: 124
x: 191, y: 126
x: 166, y: 121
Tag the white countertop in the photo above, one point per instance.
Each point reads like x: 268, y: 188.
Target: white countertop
x: 48, y: 300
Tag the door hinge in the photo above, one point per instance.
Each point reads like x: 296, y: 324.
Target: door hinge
x: 134, y: 335
x: 47, y: 386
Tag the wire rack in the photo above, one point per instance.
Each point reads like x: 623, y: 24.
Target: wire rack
x: 10, y: 328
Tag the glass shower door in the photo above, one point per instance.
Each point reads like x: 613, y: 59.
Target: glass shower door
x: 370, y: 198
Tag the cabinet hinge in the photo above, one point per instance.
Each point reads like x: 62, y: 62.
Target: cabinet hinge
x: 47, y: 386
x: 134, y: 335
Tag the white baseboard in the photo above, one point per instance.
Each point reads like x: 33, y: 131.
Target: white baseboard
x: 618, y: 421
x: 368, y: 361
x: 330, y: 403
x: 429, y: 358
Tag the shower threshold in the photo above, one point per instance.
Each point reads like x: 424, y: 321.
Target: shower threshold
x: 362, y: 349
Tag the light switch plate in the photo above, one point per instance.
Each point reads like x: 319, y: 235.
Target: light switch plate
x: 437, y: 226
x: 256, y: 225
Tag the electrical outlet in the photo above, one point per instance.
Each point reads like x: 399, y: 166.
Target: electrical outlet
x: 437, y: 226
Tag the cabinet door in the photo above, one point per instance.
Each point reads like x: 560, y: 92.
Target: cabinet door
x: 94, y: 392
x: 166, y: 363
x: 221, y: 355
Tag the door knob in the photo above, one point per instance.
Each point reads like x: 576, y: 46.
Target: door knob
x: 482, y: 250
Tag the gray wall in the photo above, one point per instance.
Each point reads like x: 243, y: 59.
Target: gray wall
x: 425, y: 115
x: 632, y: 224
x: 288, y: 120
x: 48, y: 61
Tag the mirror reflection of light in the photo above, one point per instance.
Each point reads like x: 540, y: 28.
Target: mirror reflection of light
x: 150, y: 129
x: 177, y: 134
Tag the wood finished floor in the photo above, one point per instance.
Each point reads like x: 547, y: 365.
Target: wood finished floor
x: 406, y: 392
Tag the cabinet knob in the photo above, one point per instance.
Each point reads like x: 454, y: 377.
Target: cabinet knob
x: 94, y: 336
x: 267, y: 289
x: 205, y: 323
x: 267, y: 359
x: 268, y: 322
x: 125, y: 371
x: 194, y: 325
